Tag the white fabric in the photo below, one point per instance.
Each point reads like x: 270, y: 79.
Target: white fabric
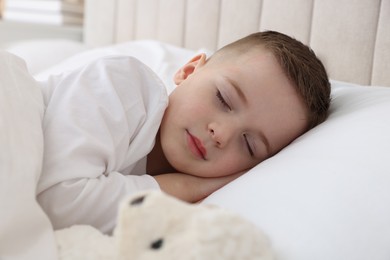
x: 163, y: 59
x: 42, y: 54
x: 100, y: 122
x: 25, y: 231
x: 326, y: 196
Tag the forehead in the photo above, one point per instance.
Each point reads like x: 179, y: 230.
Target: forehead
x: 243, y: 51
x: 253, y: 69
x: 258, y: 59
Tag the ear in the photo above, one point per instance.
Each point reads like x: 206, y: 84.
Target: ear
x: 195, y: 63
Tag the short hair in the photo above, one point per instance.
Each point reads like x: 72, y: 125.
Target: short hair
x: 300, y: 64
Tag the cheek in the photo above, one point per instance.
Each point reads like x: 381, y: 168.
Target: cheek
x: 201, y: 110
x: 232, y: 162
x: 195, y: 109
x: 186, y: 98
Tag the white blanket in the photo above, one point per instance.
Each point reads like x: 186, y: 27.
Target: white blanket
x: 25, y: 231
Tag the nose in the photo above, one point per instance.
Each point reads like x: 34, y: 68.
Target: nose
x: 221, y: 135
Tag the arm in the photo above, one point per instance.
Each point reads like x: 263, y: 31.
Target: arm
x: 99, y: 123
x: 191, y: 188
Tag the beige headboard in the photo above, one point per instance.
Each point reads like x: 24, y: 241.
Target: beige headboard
x: 352, y: 37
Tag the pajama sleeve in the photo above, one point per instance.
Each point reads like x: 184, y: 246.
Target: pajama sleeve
x: 100, y: 123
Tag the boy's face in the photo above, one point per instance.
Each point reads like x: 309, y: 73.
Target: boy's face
x: 226, y: 117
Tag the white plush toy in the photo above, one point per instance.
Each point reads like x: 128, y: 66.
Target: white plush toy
x: 155, y: 226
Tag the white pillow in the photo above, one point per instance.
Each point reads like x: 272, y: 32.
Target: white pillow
x: 327, y: 195
x: 164, y: 59
x: 42, y: 54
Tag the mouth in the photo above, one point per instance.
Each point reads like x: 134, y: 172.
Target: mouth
x: 195, y: 146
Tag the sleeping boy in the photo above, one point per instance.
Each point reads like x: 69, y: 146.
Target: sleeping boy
x: 111, y: 130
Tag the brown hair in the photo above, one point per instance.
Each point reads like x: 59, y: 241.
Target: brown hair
x: 300, y: 64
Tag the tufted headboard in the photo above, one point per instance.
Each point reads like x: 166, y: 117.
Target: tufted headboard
x: 351, y: 37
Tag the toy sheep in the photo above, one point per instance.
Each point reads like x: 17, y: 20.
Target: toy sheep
x: 156, y: 226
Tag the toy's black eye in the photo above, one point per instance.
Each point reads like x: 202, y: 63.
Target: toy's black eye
x: 137, y: 201
x: 155, y: 245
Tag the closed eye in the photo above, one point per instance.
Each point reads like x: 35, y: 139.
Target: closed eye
x: 248, y: 146
x: 222, y: 100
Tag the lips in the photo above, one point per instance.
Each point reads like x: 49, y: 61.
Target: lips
x: 196, y: 147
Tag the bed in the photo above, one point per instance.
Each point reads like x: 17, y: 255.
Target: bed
x: 325, y: 196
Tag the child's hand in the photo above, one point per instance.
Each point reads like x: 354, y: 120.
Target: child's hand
x: 192, y: 188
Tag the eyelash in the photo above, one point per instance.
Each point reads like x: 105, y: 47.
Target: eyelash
x: 222, y: 100
x: 248, y: 146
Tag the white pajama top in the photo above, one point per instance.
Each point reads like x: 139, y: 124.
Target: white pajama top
x: 100, y: 123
